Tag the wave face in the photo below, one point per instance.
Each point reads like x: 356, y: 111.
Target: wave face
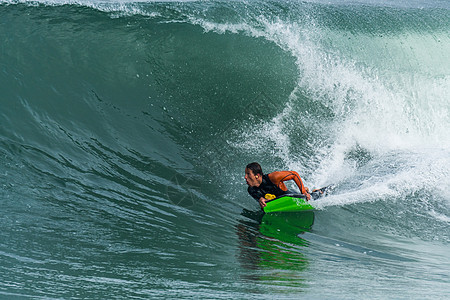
x: 125, y: 128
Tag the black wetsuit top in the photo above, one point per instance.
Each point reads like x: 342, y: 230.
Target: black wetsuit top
x: 266, y: 187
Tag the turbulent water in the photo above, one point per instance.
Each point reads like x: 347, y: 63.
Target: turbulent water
x: 125, y: 128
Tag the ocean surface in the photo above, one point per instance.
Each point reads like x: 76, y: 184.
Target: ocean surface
x: 125, y: 128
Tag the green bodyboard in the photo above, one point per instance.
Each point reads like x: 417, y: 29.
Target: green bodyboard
x: 288, y: 204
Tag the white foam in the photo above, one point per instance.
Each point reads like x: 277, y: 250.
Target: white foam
x: 399, y: 118
x: 439, y: 216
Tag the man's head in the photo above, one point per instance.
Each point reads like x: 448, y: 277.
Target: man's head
x: 253, y: 174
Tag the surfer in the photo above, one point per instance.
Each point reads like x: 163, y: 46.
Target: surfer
x: 265, y: 187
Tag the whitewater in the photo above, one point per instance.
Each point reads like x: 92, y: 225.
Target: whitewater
x: 125, y: 128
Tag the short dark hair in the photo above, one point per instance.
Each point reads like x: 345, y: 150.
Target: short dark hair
x: 256, y: 168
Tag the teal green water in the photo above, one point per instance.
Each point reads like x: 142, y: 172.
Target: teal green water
x: 125, y: 128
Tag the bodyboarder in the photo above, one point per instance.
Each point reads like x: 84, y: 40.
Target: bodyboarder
x: 264, y: 187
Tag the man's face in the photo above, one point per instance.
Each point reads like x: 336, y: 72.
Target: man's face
x: 251, y: 179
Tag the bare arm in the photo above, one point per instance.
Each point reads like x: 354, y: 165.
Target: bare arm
x: 280, y: 176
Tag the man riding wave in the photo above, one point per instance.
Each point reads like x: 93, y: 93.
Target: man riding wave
x: 264, y: 187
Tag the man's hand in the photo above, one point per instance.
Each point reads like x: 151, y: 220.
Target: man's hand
x: 262, y: 202
x: 308, y: 196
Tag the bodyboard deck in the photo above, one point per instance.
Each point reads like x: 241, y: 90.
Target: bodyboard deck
x: 294, y: 202
x: 288, y: 203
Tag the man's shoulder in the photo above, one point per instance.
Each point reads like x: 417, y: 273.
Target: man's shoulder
x: 277, y: 174
x: 254, y: 192
x: 272, y: 175
x: 251, y: 189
